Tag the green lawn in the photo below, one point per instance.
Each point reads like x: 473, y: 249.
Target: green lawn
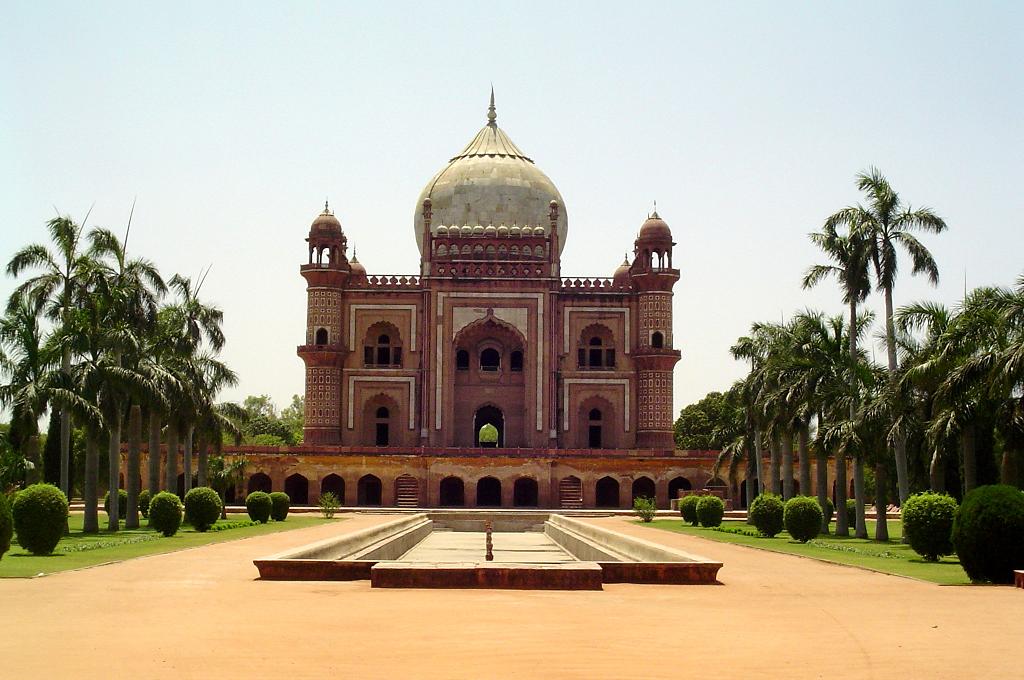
x: 81, y: 550
x: 891, y: 558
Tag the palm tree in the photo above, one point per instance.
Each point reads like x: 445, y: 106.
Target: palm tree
x: 99, y: 382
x: 199, y: 375
x: 886, y: 224
x: 738, y: 430
x: 987, y: 382
x: 26, y: 360
x: 928, y: 359
x: 130, y: 288
x: 223, y: 475
x: 63, y: 271
x: 849, y: 254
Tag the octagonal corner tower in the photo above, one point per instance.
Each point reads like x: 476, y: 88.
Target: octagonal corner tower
x: 491, y: 183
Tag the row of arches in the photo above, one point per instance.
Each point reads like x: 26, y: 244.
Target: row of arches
x: 485, y: 492
x: 501, y: 251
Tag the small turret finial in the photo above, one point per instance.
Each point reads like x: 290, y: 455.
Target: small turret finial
x: 327, y: 209
x: 655, y: 213
x: 491, y: 115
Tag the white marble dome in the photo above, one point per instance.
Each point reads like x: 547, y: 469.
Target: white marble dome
x: 491, y: 182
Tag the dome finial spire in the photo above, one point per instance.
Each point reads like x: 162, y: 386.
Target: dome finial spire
x: 655, y: 213
x: 327, y: 210
x: 491, y: 115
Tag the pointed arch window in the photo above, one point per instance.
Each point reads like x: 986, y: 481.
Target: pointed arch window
x: 597, y: 354
x: 383, y: 352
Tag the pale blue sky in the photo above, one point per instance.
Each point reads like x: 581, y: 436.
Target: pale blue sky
x: 231, y: 122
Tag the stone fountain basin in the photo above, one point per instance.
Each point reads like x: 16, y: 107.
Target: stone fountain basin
x: 557, y: 552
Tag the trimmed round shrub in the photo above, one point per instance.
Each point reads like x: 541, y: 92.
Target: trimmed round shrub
x: 280, y: 503
x: 710, y: 510
x: 988, y: 533
x: 851, y: 512
x: 803, y: 518
x: 259, y: 506
x: 928, y: 524
x: 122, y: 503
x: 6, y: 524
x: 144, y: 497
x: 688, y: 508
x: 165, y: 513
x: 40, y: 512
x: 766, y: 514
x: 202, y: 507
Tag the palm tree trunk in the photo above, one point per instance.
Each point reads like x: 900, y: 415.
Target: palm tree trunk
x: 153, y: 483
x: 759, y: 462
x: 900, y: 449
x: 131, y: 482
x: 881, y: 483
x: 204, y: 459
x: 773, y: 465
x: 114, y: 469
x: 65, y: 432
x: 787, y: 464
x: 171, y: 468
x: 861, y: 530
x: 803, y: 450
x: 91, y: 521
x: 970, y: 459
x: 937, y: 471
x: 821, y: 479
x: 842, y: 526
x: 1008, y: 467
x: 32, y: 455
x: 187, y: 459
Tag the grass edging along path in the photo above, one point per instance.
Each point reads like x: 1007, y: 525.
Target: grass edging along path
x: 80, y: 550
x: 893, y: 557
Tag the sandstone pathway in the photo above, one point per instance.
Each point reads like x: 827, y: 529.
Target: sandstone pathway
x: 203, y: 614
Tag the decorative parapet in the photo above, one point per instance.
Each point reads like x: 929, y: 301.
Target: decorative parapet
x: 591, y: 283
x: 389, y: 281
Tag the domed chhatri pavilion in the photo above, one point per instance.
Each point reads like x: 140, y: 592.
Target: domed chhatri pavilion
x: 404, y: 372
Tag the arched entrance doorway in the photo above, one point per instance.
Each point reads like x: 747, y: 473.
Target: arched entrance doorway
x: 297, y: 488
x: 643, y: 487
x: 524, y: 493
x: 332, y: 483
x: 607, y: 495
x: 368, y: 490
x: 488, y: 493
x: 676, y: 485
x: 570, y: 492
x: 453, y: 492
x: 489, y: 415
x: 259, y: 482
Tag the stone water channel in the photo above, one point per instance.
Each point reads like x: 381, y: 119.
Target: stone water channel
x: 531, y: 550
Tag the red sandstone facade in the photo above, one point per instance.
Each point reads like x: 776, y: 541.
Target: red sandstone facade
x: 403, y: 371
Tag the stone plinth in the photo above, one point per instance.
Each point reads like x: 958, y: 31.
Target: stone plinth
x: 570, y: 576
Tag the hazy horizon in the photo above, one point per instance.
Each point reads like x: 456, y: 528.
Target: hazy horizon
x: 230, y: 124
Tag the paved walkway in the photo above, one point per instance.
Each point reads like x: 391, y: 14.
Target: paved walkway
x: 202, y: 614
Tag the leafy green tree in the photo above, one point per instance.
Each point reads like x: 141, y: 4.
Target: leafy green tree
x: 294, y: 417
x: 710, y: 423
